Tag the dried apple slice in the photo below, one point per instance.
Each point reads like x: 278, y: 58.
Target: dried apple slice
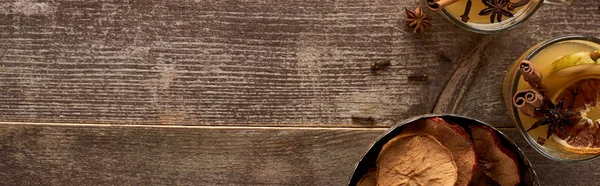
x: 497, y: 162
x: 368, y: 179
x: 415, y: 160
x: 453, y: 137
x: 482, y: 179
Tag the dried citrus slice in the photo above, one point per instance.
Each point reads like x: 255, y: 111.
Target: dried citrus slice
x: 415, y: 160
x: 579, y: 132
x: 453, y: 137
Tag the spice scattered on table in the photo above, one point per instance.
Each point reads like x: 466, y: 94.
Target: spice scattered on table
x: 380, y: 64
x: 363, y: 119
x: 417, y: 20
x: 418, y: 77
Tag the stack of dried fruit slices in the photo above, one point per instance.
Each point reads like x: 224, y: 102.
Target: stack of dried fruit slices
x: 433, y: 151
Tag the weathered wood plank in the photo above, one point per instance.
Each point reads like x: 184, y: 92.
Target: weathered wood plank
x: 218, y: 62
x: 137, y: 155
x: 483, y: 100
x: 58, y: 155
x: 237, y: 62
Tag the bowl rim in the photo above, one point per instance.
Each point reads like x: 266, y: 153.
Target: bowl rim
x: 543, y: 45
x: 356, y: 175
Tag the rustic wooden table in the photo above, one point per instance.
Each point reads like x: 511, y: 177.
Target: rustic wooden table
x: 241, y: 92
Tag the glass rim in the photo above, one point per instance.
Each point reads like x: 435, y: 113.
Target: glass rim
x: 543, y: 45
x: 509, y: 26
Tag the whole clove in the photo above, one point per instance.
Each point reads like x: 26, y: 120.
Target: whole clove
x: 418, y: 77
x: 380, y: 64
x: 363, y: 120
x: 530, y: 75
x: 465, y: 17
x: 541, y: 141
x: 511, y: 6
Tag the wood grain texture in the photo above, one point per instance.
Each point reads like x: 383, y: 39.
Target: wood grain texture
x: 460, y: 81
x: 238, y: 62
x: 218, y: 62
x: 254, y: 63
x: 121, y: 155
x: 104, y: 155
x: 483, y: 100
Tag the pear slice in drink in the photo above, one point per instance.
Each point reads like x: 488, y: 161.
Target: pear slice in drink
x: 576, y: 59
x: 570, y: 69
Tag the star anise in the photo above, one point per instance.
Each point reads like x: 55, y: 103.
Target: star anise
x: 556, y: 117
x: 496, y: 8
x: 417, y: 20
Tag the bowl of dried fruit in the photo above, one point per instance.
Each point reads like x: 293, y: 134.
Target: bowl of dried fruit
x: 443, y: 150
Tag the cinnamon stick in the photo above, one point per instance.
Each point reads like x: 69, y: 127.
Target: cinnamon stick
x: 531, y: 76
x: 534, y: 98
x: 527, y: 101
x: 436, y: 5
x: 524, y: 107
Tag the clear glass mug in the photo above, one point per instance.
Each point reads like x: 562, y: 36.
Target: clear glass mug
x: 506, y: 24
x: 513, y: 81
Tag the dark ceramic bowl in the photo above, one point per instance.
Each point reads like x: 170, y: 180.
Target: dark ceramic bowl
x: 528, y: 176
